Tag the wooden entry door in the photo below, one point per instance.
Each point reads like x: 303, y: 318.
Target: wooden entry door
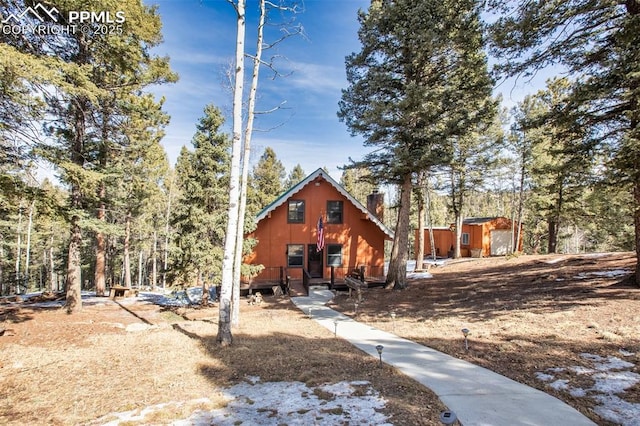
x: 314, y: 261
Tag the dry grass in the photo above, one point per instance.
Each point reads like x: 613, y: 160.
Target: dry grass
x: 525, y: 315
x: 60, y: 369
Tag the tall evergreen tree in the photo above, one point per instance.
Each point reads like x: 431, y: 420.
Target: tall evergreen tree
x: 356, y: 182
x: 80, y: 74
x: 268, y: 177
x: 419, y: 81
x: 295, y: 176
x: 199, y: 217
x: 559, y: 174
x: 597, y: 41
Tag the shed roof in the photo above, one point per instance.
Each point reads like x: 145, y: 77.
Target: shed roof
x: 324, y: 175
x: 480, y: 220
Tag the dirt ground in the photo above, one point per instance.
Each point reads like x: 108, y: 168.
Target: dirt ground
x: 526, y: 315
x: 59, y: 369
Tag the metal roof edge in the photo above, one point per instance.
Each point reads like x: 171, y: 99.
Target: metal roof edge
x: 304, y: 182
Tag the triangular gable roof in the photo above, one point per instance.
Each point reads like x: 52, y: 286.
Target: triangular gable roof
x: 304, y: 182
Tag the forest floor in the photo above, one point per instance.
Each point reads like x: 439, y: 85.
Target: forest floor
x: 568, y: 325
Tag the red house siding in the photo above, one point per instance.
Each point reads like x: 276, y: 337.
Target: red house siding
x: 480, y: 234
x: 361, y: 239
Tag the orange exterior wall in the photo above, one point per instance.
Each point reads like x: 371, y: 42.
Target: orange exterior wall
x: 479, y: 238
x: 361, y: 239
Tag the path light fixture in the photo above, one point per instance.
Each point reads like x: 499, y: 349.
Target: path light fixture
x: 379, y: 348
x: 335, y: 327
x: 355, y: 306
x: 310, y: 314
x: 465, y: 332
x: 448, y: 417
x: 393, y: 318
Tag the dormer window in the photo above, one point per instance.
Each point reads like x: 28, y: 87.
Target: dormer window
x: 296, y: 211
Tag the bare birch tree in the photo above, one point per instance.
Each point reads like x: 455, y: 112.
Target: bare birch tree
x: 225, y: 337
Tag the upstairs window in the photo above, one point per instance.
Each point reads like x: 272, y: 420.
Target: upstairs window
x: 334, y: 211
x: 296, y: 211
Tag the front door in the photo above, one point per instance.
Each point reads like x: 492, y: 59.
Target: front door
x: 314, y: 258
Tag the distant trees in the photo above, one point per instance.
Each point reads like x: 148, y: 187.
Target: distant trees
x: 597, y: 42
x: 419, y: 84
x: 295, y: 176
x: 268, y: 177
x: 88, y: 85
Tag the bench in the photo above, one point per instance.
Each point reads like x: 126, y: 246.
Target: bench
x: 119, y: 291
x: 357, y: 285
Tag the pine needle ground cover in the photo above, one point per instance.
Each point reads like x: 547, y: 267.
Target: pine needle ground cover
x: 567, y: 325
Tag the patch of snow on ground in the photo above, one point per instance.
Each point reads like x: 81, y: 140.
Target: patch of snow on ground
x: 612, y: 377
x: 291, y: 403
x: 614, y: 273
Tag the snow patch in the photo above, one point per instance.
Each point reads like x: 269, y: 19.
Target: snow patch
x: 273, y: 403
x: 612, y: 377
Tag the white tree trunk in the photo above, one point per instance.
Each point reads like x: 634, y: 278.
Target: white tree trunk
x: 235, y: 317
x: 126, y: 260
x: 165, y: 259
x: 154, y: 262
x: 28, y: 251
x: 18, y: 249
x: 224, y: 322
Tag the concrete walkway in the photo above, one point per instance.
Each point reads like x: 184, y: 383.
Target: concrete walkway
x: 476, y: 395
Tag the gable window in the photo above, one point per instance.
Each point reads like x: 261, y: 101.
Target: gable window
x: 334, y: 211
x: 295, y: 255
x: 465, y: 239
x: 296, y: 211
x: 334, y: 255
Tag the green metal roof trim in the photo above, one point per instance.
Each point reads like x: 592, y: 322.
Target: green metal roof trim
x: 304, y: 182
x: 479, y: 220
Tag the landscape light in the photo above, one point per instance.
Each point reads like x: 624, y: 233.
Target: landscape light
x: 393, y: 319
x: 335, y: 329
x: 379, y: 348
x: 448, y: 417
x: 465, y: 332
x: 356, y: 308
x: 310, y: 315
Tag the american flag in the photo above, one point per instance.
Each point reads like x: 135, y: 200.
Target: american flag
x: 320, y: 244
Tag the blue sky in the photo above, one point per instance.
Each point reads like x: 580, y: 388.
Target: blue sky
x: 199, y: 38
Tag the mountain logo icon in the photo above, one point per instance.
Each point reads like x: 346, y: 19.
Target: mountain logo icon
x: 39, y: 11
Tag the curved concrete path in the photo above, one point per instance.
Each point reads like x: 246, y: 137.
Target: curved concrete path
x: 476, y: 395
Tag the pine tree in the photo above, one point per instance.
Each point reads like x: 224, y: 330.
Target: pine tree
x: 357, y: 183
x: 419, y: 81
x: 596, y: 41
x: 295, y: 176
x: 83, y: 77
x: 268, y: 178
x: 199, y: 218
x: 559, y: 174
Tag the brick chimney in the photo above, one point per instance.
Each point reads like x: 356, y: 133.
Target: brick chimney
x: 375, y: 204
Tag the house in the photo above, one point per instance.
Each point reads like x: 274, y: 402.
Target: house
x: 318, y: 210
x: 481, y: 237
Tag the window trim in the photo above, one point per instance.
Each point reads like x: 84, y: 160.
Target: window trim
x: 341, y: 203
x: 301, y: 256
x: 329, y: 256
x: 299, y: 215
